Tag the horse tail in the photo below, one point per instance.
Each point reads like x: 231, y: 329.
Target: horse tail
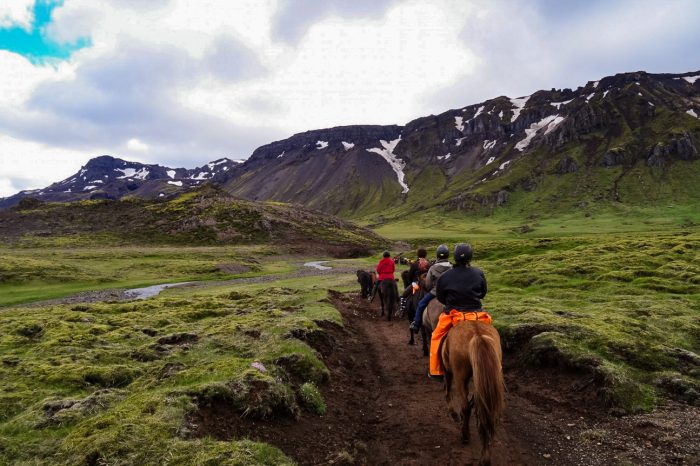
x: 489, y: 400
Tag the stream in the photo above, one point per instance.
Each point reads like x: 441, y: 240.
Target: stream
x: 317, y: 265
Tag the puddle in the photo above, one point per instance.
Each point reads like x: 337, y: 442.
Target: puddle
x: 151, y: 291
x: 317, y: 265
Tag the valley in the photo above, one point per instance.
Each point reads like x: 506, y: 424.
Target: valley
x: 581, y: 206
x: 606, y: 319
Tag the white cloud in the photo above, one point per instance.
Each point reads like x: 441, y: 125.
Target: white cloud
x: 172, y: 81
x: 345, y: 72
x: 137, y: 145
x: 29, y: 165
x: 16, y: 13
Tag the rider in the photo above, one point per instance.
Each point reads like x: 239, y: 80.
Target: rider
x: 461, y: 290
x: 419, y: 267
x: 436, y: 270
x: 385, y: 270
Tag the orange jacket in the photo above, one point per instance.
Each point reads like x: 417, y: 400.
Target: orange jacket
x: 385, y: 269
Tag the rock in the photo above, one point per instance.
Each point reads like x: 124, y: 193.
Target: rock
x: 501, y: 198
x: 177, y: 338
x: 681, y: 147
x: 613, y: 157
x: 567, y: 165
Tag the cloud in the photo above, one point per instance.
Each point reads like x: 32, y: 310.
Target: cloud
x: 294, y: 17
x: 180, y: 83
x: 16, y: 13
x: 527, y: 46
x: 30, y: 165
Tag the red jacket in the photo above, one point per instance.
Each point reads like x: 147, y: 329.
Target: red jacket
x: 385, y: 269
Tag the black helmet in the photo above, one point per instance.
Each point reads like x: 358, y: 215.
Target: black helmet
x: 386, y: 254
x: 463, y: 253
x: 443, y: 252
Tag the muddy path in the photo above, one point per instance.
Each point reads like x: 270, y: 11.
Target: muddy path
x: 383, y: 410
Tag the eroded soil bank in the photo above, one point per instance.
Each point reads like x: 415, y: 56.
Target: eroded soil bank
x: 382, y: 409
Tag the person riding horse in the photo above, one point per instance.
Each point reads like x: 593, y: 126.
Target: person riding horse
x: 419, y: 267
x: 461, y: 290
x: 385, y: 271
x: 434, y: 273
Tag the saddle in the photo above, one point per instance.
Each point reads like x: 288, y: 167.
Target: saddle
x: 479, y: 316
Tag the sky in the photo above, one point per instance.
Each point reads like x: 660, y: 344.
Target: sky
x: 184, y: 82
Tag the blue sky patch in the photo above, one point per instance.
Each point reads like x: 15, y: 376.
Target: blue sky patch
x: 35, y: 44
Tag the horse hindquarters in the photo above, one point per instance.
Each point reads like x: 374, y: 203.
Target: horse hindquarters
x: 489, y: 401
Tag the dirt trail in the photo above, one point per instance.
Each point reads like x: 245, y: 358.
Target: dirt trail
x: 383, y: 410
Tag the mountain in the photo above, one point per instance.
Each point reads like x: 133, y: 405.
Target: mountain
x: 630, y: 138
x: 204, y: 216
x: 107, y: 177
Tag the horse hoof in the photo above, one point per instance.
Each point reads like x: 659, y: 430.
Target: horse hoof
x: 465, y: 440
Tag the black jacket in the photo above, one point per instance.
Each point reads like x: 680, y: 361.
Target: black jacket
x: 461, y: 288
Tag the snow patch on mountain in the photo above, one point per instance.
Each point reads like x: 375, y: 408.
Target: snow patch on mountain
x: 692, y: 113
x: 175, y: 183
x: 458, y: 142
x: 691, y: 79
x: 397, y: 164
x: 489, y: 144
x: 201, y: 176
x: 518, y: 105
x: 504, y: 165
x: 281, y: 155
x: 559, y: 104
x: 444, y: 157
x: 321, y: 144
x: 132, y: 173
x: 490, y: 160
x: 348, y: 145
x: 550, y: 122
x: 458, y: 124
x: 171, y: 173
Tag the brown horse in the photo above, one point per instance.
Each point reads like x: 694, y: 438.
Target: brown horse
x: 430, y: 320
x: 472, y: 350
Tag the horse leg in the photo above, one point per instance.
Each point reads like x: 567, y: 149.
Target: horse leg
x: 381, y: 300
x: 412, y: 341
x: 426, y: 338
x: 466, y: 415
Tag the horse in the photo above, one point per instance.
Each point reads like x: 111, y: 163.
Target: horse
x: 365, y: 280
x: 412, y: 304
x: 472, y: 350
x: 431, y: 315
x: 389, y: 292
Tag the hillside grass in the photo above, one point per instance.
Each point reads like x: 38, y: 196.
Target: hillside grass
x: 117, y: 382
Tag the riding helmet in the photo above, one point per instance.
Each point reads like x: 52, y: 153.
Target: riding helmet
x: 463, y: 253
x: 386, y: 254
x: 443, y: 252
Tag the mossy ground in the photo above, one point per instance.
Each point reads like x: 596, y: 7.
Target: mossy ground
x: 115, y: 382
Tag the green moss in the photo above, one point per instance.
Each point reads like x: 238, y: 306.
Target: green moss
x: 311, y: 399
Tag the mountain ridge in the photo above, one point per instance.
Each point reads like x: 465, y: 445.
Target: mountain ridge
x: 478, y: 156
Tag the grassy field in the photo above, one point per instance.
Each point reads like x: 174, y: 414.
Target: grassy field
x: 115, y: 383
x: 31, y: 274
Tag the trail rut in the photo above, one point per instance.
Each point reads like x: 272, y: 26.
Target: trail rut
x: 383, y: 410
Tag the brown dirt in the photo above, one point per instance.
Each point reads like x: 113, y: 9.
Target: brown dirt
x: 382, y: 409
